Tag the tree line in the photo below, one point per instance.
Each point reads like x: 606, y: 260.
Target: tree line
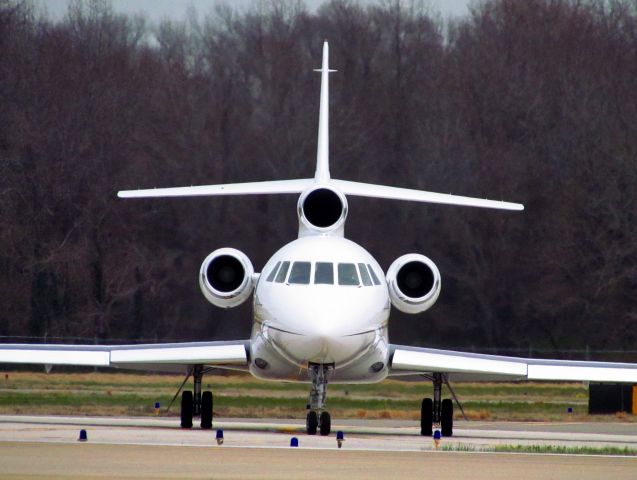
x: 531, y: 101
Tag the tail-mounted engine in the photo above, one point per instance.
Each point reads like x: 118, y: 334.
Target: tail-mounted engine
x: 322, y: 211
x: 226, y: 277
x: 414, y: 283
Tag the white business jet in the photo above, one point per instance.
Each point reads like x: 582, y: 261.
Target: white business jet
x: 321, y: 308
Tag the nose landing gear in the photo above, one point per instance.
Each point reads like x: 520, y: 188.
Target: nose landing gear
x: 317, y: 418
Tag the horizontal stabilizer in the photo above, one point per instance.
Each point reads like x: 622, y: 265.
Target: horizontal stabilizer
x: 394, y: 193
x: 254, y: 188
x: 299, y: 185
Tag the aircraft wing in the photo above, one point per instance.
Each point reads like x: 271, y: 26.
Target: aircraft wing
x: 161, y: 357
x: 474, y: 366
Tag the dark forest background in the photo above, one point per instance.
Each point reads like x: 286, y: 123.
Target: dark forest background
x: 530, y: 101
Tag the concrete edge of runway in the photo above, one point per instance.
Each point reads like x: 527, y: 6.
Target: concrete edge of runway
x: 516, y: 433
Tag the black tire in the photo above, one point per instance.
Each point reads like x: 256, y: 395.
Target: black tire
x: 325, y: 423
x: 186, y: 409
x: 426, y: 417
x: 311, y: 422
x: 206, y: 410
x: 446, y: 418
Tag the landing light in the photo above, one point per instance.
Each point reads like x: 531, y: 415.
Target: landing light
x: 377, y: 367
x: 259, y: 362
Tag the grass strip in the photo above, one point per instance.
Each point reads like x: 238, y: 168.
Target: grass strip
x: 541, y: 449
x: 127, y: 399
x: 565, y: 450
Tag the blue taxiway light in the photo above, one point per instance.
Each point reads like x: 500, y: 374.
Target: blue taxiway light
x: 437, y: 438
x: 83, y: 436
x: 219, y: 436
x: 294, y: 442
x: 340, y: 438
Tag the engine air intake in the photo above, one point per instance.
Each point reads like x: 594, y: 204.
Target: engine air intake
x: 414, y: 283
x: 226, y: 277
x: 322, y: 207
x: 322, y: 210
x: 415, y: 279
x: 225, y: 273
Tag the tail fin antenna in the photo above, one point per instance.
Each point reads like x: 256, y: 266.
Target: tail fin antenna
x: 322, y: 150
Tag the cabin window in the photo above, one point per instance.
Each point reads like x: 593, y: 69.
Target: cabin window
x: 373, y: 274
x: 324, y: 273
x: 300, y: 273
x: 273, y: 272
x: 367, y: 281
x: 280, y: 277
x: 347, y: 274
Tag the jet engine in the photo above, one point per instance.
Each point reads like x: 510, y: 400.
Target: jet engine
x: 414, y: 283
x: 321, y: 210
x: 226, y: 277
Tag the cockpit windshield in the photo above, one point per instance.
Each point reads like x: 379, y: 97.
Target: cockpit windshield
x: 300, y: 273
x: 322, y: 273
x: 374, y: 277
x: 367, y: 281
x: 347, y: 274
x: 273, y: 272
x: 283, y: 272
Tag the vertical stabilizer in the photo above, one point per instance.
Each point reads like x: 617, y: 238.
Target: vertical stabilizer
x: 338, y: 188
x: 323, y: 147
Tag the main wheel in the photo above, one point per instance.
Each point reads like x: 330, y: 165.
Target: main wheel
x: 186, y: 409
x: 311, y: 422
x: 426, y: 417
x: 325, y: 423
x: 206, y: 410
x: 446, y: 418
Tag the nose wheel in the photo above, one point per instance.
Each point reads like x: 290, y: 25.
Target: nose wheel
x: 315, y: 422
x: 318, y: 423
x: 311, y: 422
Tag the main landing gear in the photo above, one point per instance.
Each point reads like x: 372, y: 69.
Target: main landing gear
x: 195, y: 403
x: 317, y: 418
x: 437, y: 413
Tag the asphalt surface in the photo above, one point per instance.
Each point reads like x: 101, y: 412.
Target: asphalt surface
x: 48, y: 447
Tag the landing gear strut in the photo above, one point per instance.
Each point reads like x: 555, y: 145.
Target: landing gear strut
x: 317, y: 418
x: 196, y: 403
x: 438, y: 413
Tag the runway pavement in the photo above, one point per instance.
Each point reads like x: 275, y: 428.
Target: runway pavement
x: 156, y: 447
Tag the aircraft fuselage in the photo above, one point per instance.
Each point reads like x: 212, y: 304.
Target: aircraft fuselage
x: 321, y: 300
